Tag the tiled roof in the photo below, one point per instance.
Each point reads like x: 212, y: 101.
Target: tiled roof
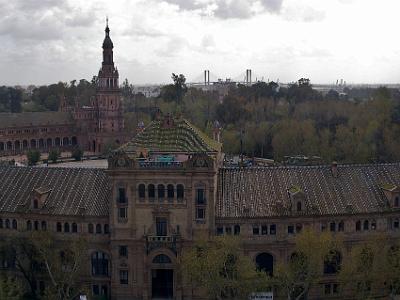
x: 71, y: 191
x: 263, y: 192
x: 179, y: 137
x: 8, y: 120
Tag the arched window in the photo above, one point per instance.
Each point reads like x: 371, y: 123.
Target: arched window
x: 106, y: 229
x: 373, y: 225
x: 332, y: 262
x: 358, y: 225
x: 44, y: 225
x: 29, y: 225
x: 332, y: 226
x: 74, y: 227
x: 90, y: 228
x: 151, y: 190
x: 236, y: 229
x: 180, y: 194
x: 1, y: 223
x: 299, y: 205
x: 161, y: 191
x: 265, y: 262
x: 7, y: 223
x: 341, y: 226
x: 366, y: 225
x: 36, y: 225
x: 396, y: 201
x: 100, y: 264
x: 170, y: 191
x: 14, y: 224
x: 66, y: 227
x: 35, y: 203
x: 396, y: 223
x: 98, y: 228
x: 59, y: 227
x: 161, y: 259
x: 142, y: 191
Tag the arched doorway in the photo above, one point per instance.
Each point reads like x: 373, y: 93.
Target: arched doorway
x: 265, y: 262
x: 162, y: 277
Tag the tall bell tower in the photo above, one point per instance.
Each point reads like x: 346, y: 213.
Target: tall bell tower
x: 108, y: 94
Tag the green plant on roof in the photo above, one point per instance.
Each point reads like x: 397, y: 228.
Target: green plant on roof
x: 388, y: 186
x: 294, y: 189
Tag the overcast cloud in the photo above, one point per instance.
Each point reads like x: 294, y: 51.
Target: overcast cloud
x: 48, y: 41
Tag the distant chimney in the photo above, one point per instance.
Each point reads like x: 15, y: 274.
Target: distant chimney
x: 334, y: 169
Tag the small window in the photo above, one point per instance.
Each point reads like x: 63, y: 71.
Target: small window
x: 327, y: 289
x: 220, y: 230
x: 142, y: 191
x: 98, y: 228
x: 121, y: 195
x: 264, y: 229
x: 8, y: 225
x: 299, y: 206
x: 1, y: 223
x: 151, y: 190
x: 236, y: 230
x: 200, y: 213
x: 161, y: 191
x: 14, y: 224
x: 44, y: 225
x: 358, y: 225
x: 396, y: 223
x: 123, y: 277
x: 90, y: 228
x: 35, y: 204
x: 122, y: 213
x: 170, y: 191
x: 341, y: 226
x: 290, y: 229
x: 74, y: 228
x: 59, y: 227
x: 95, y: 290
x: 66, y: 227
x: 256, y: 230
x: 228, y: 230
x: 335, y: 288
x: 123, y: 251
x: 397, y: 201
x: 373, y: 225
x: 272, y: 229
x: 179, y: 192
x: 332, y: 226
x: 106, y: 229
x: 299, y: 227
x: 366, y: 225
x: 200, y: 197
x: 323, y: 227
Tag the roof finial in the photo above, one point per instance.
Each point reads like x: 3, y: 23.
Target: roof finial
x: 106, y: 21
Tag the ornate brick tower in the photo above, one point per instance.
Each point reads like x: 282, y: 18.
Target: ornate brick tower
x: 108, y: 106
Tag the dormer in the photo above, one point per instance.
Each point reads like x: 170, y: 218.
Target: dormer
x: 392, y: 194
x: 39, y: 197
x: 297, y: 199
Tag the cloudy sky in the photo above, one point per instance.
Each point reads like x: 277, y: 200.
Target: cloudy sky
x: 46, y: 41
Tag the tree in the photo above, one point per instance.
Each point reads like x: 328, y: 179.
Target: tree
x: 33, y: 157
x: 176, y: 91
x: 62, y: 265
x: 54, y: 155
x: 301, y: 271
x: 222, y: 270
x: 10, y: 288
x: 77, y: 153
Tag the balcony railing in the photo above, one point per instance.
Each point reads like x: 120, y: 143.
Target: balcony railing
x: 154, y: 242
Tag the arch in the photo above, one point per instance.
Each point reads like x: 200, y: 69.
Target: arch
x: 9, y: 145
x: 66, y: 227
x: 170, y: 191
x: 341, y: 226
x: 74, y: 141
x: 24, y: 144
x: 100, y: 263
x: 265, y: 262
x: 28, y: 225
x: 332, y: 262
x: 396, y: 201
x: 142, y: 190
x: 90, y: 228
x: 161, y: 191
x: 36, y: 225
x: 1, y: 223
x: 98, y: 228
x: 65, y: 141
x: 14, y: 224
x: 17, y: 145
x: 180, y: 191
x: 161, y: 259
x: 106, y: 229
x: 2, y: 146
x: 7, y: 224
x: 332, y: 226
x: 49, y: 143
x: 373, y: 224
x: 358, y: 225
x: 57, y: 141
x: 44, y: 225
x: 151, y: 191
x: 33, y: 143
x: 74, y: 228
x: 41, y: 143
x: 59, y: 227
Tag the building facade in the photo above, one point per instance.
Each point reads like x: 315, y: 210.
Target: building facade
x: 91, y: 128
x: 167, y: 188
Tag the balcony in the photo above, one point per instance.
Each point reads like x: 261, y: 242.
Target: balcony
x: 154, y: 242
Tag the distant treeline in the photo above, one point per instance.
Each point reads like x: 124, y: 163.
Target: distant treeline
x: 359, y: 125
